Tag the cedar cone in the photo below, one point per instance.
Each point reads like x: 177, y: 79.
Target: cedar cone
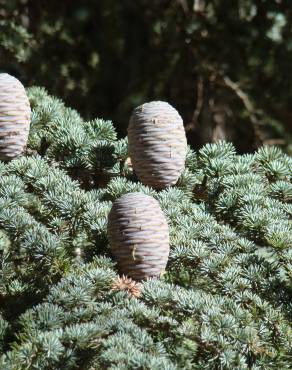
x: 138, y: 236
x: 157, y: 144
x: 14, y: 117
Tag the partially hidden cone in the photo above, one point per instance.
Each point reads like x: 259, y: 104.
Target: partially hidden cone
x: 157, y: 144
x: 138, y: 235
x: 14, y: 117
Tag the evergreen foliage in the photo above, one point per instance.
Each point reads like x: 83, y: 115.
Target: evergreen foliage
x: 225, y: 299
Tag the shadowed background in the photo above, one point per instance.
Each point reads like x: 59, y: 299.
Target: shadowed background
x: 226, y: 66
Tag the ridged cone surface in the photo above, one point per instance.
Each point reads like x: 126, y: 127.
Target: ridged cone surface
x: 138, y: 235
x: 14, y: 117
x: 157, y: 144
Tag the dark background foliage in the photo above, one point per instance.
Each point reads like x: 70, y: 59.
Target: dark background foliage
x: 225, y: 65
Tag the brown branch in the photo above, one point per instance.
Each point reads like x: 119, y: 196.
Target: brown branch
x: 184, y: 6
x: 248, y: 106
x: 275, y: 142
x: 199, y: 104
x: 200, y: 100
